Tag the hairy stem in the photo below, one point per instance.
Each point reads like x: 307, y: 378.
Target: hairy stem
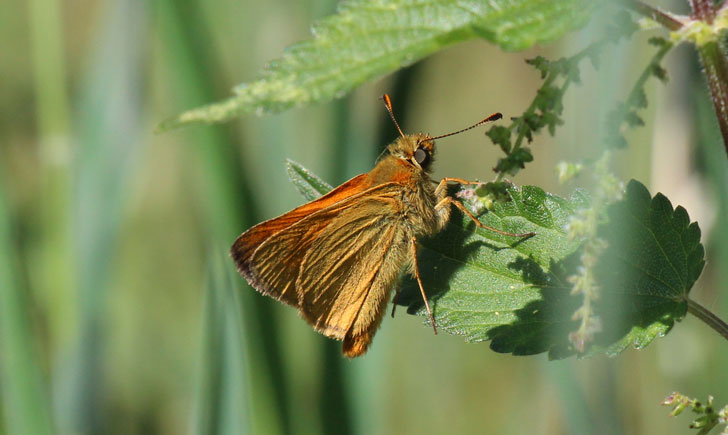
x: 703, y: 10
x: 712, y: 53
x: 708, y: 318
x: 668, y: 21
x: 713, y: 57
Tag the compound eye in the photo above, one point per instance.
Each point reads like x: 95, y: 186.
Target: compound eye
x: 420, y: 156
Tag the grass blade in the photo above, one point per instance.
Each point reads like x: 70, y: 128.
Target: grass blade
x: 222, y: 398
x: 25, y: 404
x: 109, y: 105
x: 227, y: 207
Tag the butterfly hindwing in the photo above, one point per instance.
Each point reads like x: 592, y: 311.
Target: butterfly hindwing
x: 349, y: 269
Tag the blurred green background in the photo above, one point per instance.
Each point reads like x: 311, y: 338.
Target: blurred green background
x: 120, y: 311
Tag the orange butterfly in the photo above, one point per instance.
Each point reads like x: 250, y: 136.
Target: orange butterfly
x: 338, y: 257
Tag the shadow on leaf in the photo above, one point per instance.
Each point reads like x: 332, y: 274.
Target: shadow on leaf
x: 437, y: 267
x: 542, y: 325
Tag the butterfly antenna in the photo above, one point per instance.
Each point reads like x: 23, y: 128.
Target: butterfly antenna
x: 493, y: 117
x: 388, y: 105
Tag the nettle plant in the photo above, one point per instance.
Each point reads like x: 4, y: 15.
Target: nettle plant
x: 611, y: 267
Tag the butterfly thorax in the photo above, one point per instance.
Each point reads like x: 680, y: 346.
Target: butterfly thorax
x: 409, y: 163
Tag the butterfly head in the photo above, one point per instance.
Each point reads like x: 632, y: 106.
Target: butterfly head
x: 417, y: 150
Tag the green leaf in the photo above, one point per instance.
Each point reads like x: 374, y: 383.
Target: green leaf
x: 517, y: 295
x: 500, y: 136
x: 367, y: 39
x: 308, y: 184
x: 486, y: 286
x: 515, y: 291
x: 541, y: 64
x: 653, y: 259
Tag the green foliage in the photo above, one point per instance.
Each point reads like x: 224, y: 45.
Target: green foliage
x: 625, y: 115
x: 651, y: 262
x: 584, y: 226
x: 487, y: 286
x: 547, y: 107
x: 25, y: 406
x: 708, y: 418
x: 366, y: 39
x: 227, y: 209
x: 103, y: 165
x: 307, y: 183
x: 515, y: 292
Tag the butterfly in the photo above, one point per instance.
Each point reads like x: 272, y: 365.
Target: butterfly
x: 337, y: 258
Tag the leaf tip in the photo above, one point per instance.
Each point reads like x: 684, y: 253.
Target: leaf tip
x: 208, y: 114
x: 638, y: 190
x: 167, y: 125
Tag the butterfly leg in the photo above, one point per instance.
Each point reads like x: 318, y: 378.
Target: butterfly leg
x: 443, y: 183
x: 419, y: 282
x: 450, y: 200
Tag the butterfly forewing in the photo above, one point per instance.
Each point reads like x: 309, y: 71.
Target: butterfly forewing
x: 338, y: 283
x: 336, y: 265
x: 246, y: 245
x: 275, y: 264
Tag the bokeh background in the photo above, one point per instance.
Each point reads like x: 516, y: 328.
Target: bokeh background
x: 120, y: 311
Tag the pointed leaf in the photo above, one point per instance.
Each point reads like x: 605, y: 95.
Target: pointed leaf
x: 367, y: 39
x: 308, y: 184
x: 653, y: 259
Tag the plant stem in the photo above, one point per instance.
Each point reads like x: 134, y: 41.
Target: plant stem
x: 714, y: 60
x: 703, y: 10
x: 533, y: 107
x: 634, y: 93
x: 708, y: 318
x: 712, y: 54
x: 713, y: 57
x: 670, y: 22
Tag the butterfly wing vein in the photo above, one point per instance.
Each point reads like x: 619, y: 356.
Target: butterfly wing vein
x: 337, y: 265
